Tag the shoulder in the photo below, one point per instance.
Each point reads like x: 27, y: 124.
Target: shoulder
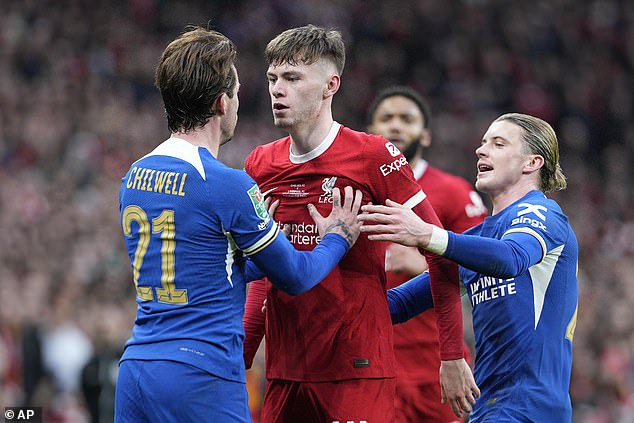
x: 271, y: 148
x: 371, y: 149
x: 369, y: 142
x: 265, y: 153
x: 535, y: 203
x: 537, y: 211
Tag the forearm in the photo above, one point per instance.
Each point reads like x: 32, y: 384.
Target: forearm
x: 251, y: 271
x: 254, y: 320
x: 410, y: 298
x: 295, y: 271
x: 504, y: 258
x: 446, y: 294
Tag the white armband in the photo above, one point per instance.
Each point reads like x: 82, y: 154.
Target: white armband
x: 438, y: 241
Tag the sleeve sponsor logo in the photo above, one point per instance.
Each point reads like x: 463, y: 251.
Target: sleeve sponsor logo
x: 394, y: 151
x: 257, y: 200
x: 395, y: 166
x: 534, y: 209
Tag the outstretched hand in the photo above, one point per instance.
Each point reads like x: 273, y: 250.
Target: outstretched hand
x: 396, y: 223
x: 342, y: 219
x: 272, y: 207
x: 457, y: 386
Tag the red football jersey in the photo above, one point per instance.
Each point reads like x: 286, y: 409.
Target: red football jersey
x: 340, y: 329
x: 459, y: 208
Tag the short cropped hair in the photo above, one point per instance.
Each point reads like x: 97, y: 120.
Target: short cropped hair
x: 540, y: 138
x: 193, y: 71
x: 307, y: 44
x: 402, y: 91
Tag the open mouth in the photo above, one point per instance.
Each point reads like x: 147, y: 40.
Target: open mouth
x: 279, y: 106
x: 482, y: 167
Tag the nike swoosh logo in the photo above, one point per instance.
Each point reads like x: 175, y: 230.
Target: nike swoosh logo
x: 267, y: 192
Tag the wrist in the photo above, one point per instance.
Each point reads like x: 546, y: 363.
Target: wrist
x: 438, y: 241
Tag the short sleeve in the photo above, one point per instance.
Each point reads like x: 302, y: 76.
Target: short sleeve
x: 541, y: 219
x: 389, y: 173
x: 244, y: 216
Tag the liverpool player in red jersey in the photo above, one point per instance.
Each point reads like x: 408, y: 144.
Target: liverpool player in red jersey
x: 402, y: 116
x: 329, y: 351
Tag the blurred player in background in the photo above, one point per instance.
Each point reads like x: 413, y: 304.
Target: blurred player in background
x: 329, y: 354
x: 402, y: 116
x: 188, y: 223
x: 519, y: 268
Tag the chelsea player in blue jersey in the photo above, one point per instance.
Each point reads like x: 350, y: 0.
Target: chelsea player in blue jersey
x: 189, y: 224
x: 519, y: 268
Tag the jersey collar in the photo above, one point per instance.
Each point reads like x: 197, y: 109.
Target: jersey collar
x: 317, y: 151
x: 420, y: 168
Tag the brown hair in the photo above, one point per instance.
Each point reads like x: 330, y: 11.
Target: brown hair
x: 540, y: 138
x: 307, y: 44
x: 194, y: 70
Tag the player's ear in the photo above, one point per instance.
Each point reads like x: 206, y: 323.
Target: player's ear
x: 534, y: 163
x: 425, y: 138
x: 332, y: 85
x: 220, y: 104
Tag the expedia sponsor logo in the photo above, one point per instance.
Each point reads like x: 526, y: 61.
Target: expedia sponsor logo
x: 395, y: 166
x: 394, y: 151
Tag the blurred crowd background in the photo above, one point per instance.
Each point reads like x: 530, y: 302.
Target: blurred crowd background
x: 78, y: 105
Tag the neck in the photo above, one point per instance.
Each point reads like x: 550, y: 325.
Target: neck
x: 208, y: 137
x: 306, y: 138
x: 503, y: 199
x: 414, y: 161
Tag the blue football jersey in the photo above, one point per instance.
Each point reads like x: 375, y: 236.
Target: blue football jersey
x: 188, y: 220
x: 524, y: 325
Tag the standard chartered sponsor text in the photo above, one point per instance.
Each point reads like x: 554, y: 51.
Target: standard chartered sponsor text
x: 303, y: 233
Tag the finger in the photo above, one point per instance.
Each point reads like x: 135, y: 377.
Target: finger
x: 456, y: 408
x: 375, y: 208
x: 464, y: 404
x: 286, y: 230
x: 374, y: 217
x: 348, y: 200
x: 470, y: 398
x: 267, y: 203
x: 314, y: 214
x: 273, y: 207
x: 443, y: 396
x: 391, y: 203
x: 336, y: 197
x: 472, y: 394
x: 475, y: 390
x: 383, y: 237
x: 379, y: 228
x: 358, y: 197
